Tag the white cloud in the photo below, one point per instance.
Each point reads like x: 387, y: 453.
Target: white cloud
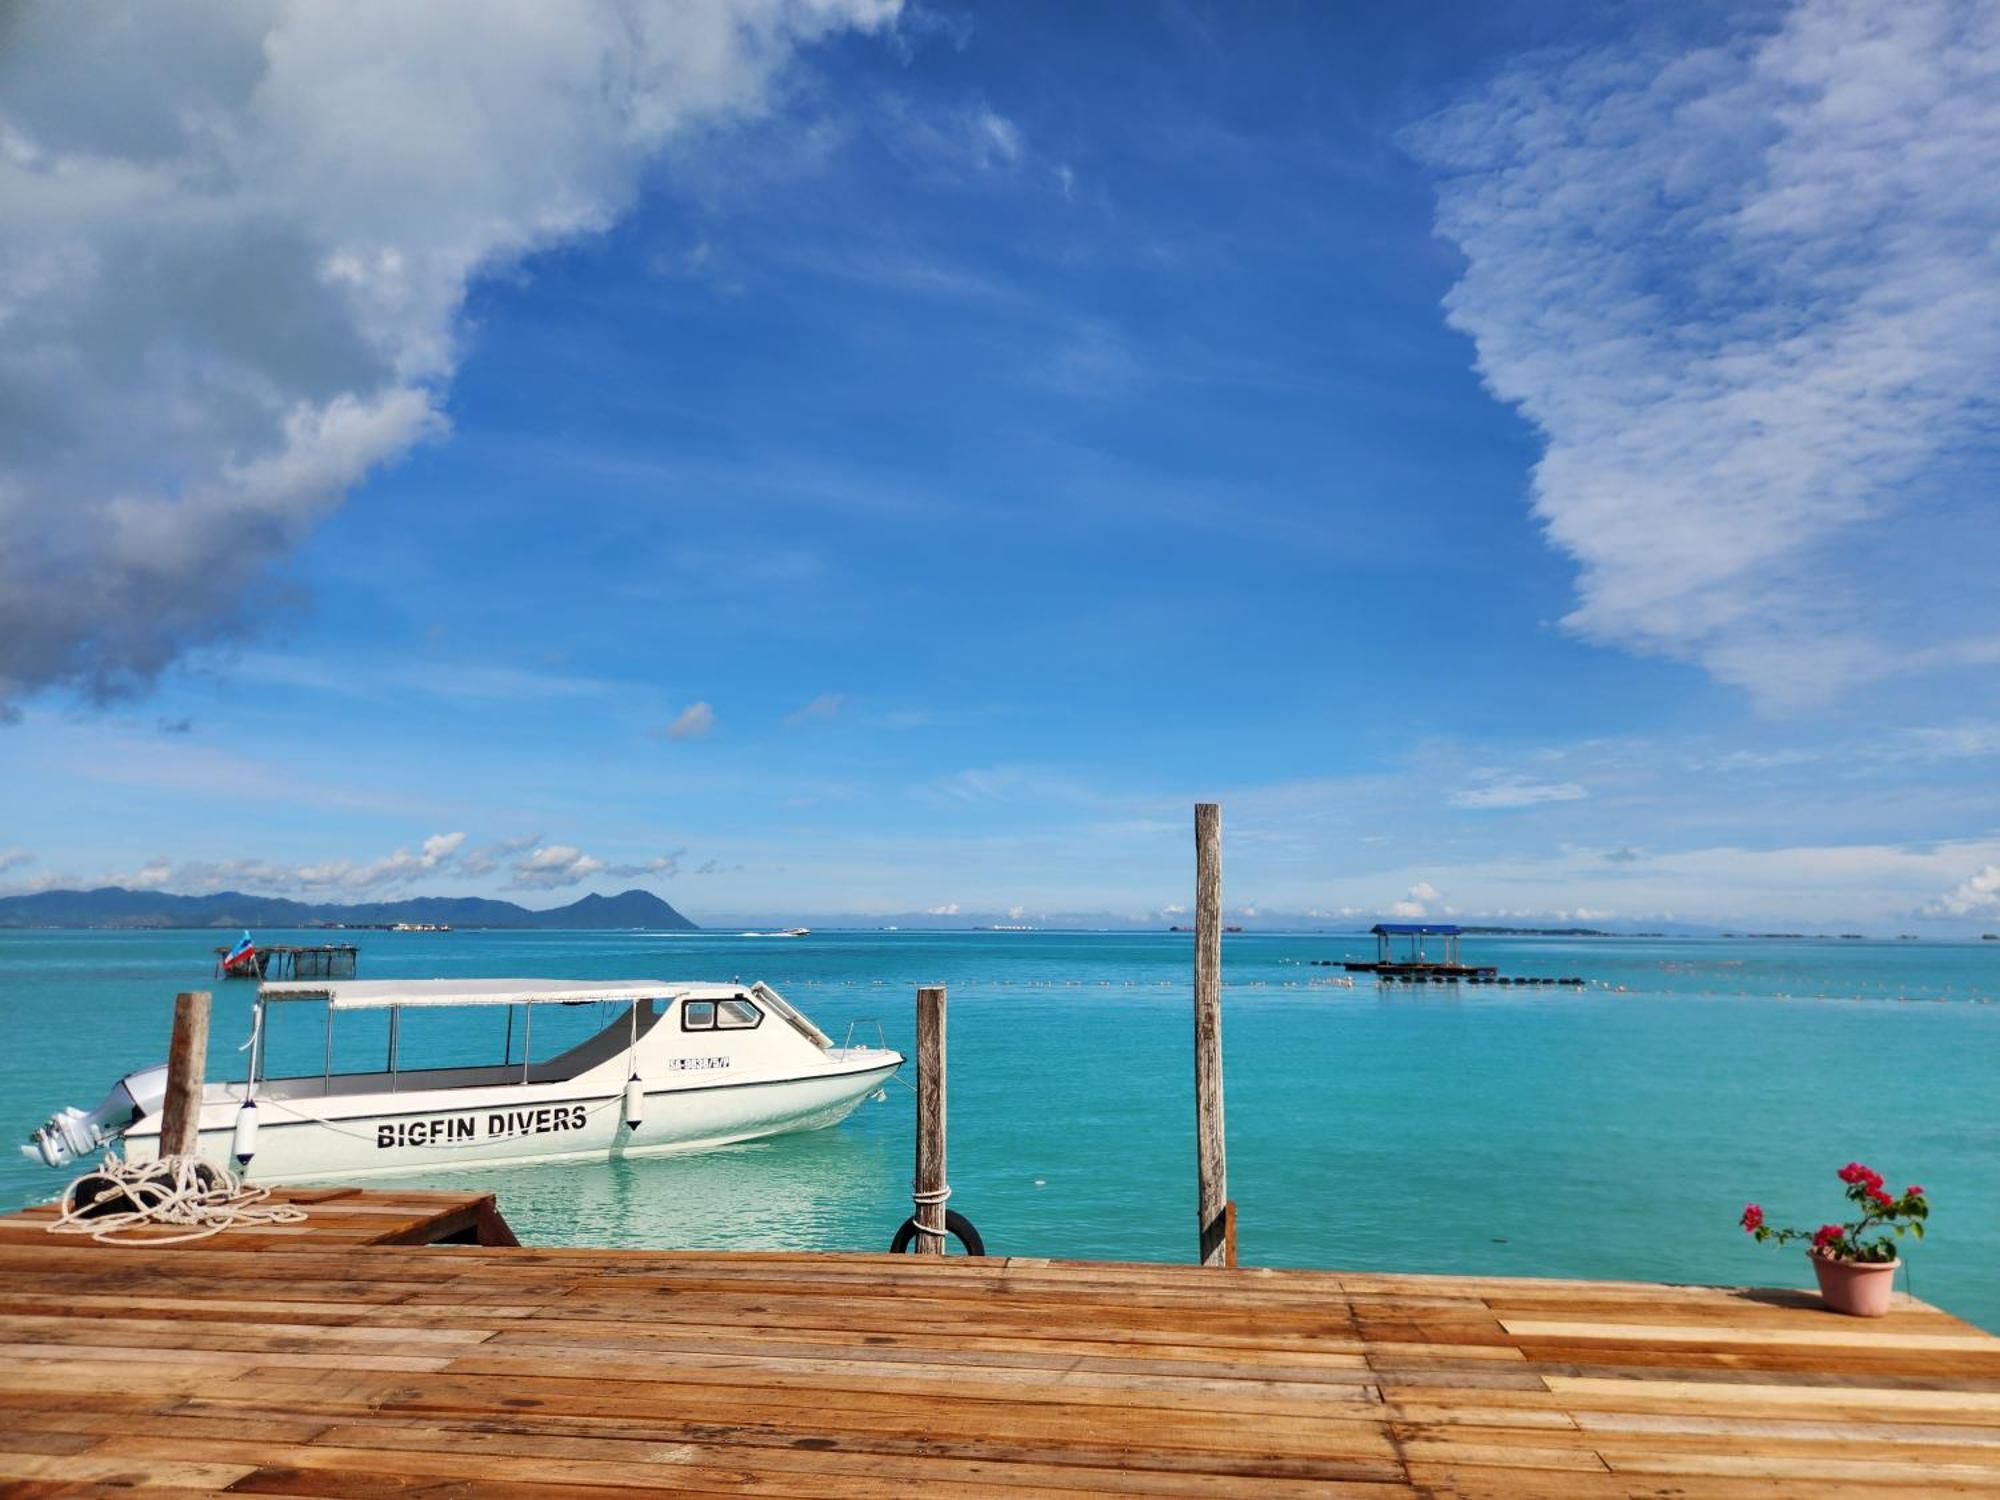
x: 155, y: 875
x: 1415, y: 902
x: 996, y: 139
x: 237, y: 244
x: 823, y: 709
x: 1976, y: 896
x: 13, y: 859
x: 553, y: 865
x: 959, y: 146
x: 692, y: 723
x: 661, y: 867
x: 490, y: 857
x: 949, y: 909
x: 1751, y: 297
x: 1517, y: 791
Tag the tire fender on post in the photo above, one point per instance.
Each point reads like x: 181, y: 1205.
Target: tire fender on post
x: 955, y: 1224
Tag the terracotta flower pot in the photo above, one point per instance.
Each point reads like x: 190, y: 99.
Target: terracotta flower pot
x: 1856, y: 1287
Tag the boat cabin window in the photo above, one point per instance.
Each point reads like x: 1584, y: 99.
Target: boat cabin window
x: 301, y: 1039
x: 738, y: 1014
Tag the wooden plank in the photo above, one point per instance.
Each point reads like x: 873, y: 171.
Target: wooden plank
x: 1817, y: 1337
x: 322, y: 1363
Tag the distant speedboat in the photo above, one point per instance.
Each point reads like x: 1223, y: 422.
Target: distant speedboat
x: 681, y: 1067
x: 796, y: 932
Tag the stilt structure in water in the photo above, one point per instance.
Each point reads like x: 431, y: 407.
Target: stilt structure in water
x: 1414, y: 962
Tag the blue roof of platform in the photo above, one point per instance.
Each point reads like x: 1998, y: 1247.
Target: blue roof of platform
x: 1412, y: 929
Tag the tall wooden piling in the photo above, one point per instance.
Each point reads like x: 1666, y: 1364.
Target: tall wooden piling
x: 187, y: 1060
x: 1218, y: 1237
x: 930, y: 1189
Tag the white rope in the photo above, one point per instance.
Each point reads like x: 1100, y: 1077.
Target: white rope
x: 181, y: 1192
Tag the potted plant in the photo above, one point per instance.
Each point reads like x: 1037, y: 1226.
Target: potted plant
x: 1855, y: 1262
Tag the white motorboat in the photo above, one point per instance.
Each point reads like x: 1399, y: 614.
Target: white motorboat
x: 676, y: 1067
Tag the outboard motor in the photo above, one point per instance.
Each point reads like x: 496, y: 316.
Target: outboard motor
x: 72, y: 1133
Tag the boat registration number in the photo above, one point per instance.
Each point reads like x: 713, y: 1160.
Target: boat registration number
x: 696, y: 1064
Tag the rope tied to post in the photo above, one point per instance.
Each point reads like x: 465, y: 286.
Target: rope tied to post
x: 183, y: 1192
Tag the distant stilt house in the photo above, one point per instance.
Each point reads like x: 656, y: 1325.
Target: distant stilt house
x: 1441, y: 958
x: 289, y: 961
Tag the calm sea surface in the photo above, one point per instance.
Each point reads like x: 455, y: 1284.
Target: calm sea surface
x: 1614, y: 1131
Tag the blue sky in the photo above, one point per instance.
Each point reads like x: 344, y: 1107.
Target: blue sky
x: 1529, y: 460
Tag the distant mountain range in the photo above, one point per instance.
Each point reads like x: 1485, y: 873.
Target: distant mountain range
x: 114, y: 906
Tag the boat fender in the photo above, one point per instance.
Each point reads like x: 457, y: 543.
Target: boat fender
x: 635, y: 1101
x: 955, y: 1224
x: 244, y: 1144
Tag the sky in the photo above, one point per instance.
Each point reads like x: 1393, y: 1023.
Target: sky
x: 1526, y: 461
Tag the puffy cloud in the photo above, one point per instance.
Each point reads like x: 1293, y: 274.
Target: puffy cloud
x: 692, y: 723
x: 398, y: 868
x: 237, y: 244
x: 1516, y: 791
x: 154, y: 875
x: 1415, y: 903
x: 489, y: 857
x: 13, y: 859
x: 949, y: 909
x: 1976, y: 896
x: 1751, y: 296
x: 552, y: 866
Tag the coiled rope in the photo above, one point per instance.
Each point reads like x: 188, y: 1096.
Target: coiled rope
x: 175, y: 1192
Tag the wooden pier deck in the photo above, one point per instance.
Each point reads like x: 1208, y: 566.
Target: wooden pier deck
x: 333, y: 1360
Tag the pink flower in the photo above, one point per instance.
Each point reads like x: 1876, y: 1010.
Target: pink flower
x: 1753, y: 1218
x: 1853, y: 1172
x: 1827, y: 1236
x: 1913, y: 1192
x: 1880, y: 1197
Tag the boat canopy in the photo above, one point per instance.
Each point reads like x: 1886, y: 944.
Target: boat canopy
x: 381, y: 994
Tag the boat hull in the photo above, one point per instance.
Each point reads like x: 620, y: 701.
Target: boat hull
x: 443, y: 1131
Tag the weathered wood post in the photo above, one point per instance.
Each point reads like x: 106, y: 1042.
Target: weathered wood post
x: 1218, y: 1228
x: 187, y: 1059
x: 930, y: 1190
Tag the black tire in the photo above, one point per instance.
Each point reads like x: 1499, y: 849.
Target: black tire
x: 955, y: 1224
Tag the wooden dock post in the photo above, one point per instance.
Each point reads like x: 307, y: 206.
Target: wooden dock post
x: 930, y: 1189
x: 1217, y: 1213
x: 187, y: 1060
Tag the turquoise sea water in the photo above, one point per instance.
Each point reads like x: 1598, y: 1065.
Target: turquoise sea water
x: 1614, y: 1131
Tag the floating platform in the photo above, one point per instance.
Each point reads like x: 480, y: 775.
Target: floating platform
x: 342, y: 1357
